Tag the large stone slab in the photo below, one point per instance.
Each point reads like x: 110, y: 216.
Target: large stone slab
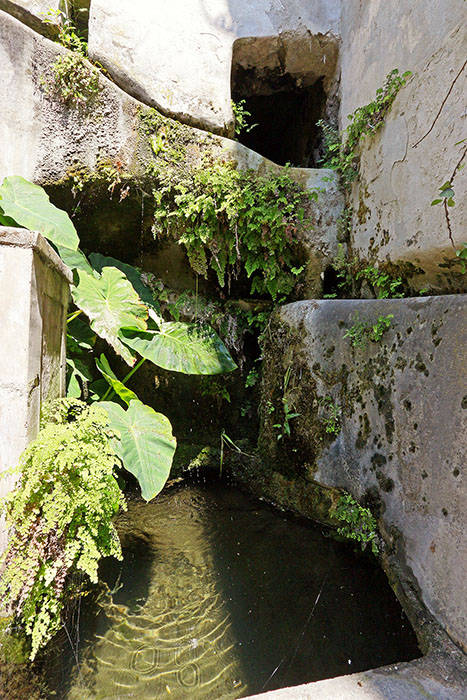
x: 393, y: 221
x: 42, y: 138
x: 177, y: 56
x: 34, y: 288
x: 400, y: 442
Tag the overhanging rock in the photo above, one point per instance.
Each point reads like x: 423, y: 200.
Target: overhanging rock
x: 64, y: 147
x: 177, y: 56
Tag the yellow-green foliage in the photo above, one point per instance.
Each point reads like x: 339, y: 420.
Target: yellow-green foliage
x: 359, y: 523
x: 60, y: 516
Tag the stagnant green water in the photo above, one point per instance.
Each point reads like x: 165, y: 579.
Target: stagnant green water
x: 221, y: 596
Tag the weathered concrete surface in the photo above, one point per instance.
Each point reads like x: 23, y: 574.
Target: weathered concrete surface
x: 418, y: 680
x: 177, y: 56
x: 41, y: 137
x: 34, y: 288
x: 401, y: 442
x: 393, y: 220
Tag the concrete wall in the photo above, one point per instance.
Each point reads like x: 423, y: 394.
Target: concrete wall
x: 401, y: 443
x: 34, y: 289
x: 393, y: 219
x: 41, y: 137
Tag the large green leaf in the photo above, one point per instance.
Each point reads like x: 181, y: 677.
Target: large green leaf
x: 7, y: 220
x: 120, y: 389
x: 145, y: 444
x: 99, y: 261
x: 79, y: 337
x: 181, y: 347
x: 75, y: 259
x: 29, y: 206
x: 110, y: 303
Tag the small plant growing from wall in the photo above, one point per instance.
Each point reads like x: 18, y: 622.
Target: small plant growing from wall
x: 332, y: 415
x: 446, y: 195
x: 73, y: 78
x: 242, y: 118
x: 385, y: 286
x: 359, y: 523
x: 461, y: 254
x: 341, y: 151
x: 363, y: 331
x: 283, y: 428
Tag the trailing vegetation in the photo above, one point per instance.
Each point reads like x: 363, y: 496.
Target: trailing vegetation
x: 235, y: 222
x: 59, y: 516
x: 73, y: 79
x: 359, y: 523
x: 341, y: 151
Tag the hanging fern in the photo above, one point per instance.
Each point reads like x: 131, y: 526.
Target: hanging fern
x: 60, y: 516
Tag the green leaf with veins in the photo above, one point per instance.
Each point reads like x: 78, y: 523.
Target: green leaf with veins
x: 181, y: 347
x: 99, y: 261
x: 110, y: 303
x: 145, y: 444
x: 75, y: 259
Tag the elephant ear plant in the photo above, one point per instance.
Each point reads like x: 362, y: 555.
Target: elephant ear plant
x: 113, y: 303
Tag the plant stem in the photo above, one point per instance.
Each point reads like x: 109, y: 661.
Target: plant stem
x: 72, y: 316
x: 111, y: 391
x: 132, y: 371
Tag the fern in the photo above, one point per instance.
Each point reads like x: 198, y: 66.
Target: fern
x: 60, y: 516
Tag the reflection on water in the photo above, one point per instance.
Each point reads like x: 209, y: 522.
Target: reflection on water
x: 220, y: 596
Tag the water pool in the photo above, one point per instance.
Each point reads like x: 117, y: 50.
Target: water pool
x: 222, y: 596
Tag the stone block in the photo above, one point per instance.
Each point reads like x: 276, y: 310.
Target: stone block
x: 178, y: 56
x: 34, y: 288
x: 399, y: 444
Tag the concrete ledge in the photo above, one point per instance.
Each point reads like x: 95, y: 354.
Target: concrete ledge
x: 422, y: 679
x: 34, y: 288
x: 22, y: 238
